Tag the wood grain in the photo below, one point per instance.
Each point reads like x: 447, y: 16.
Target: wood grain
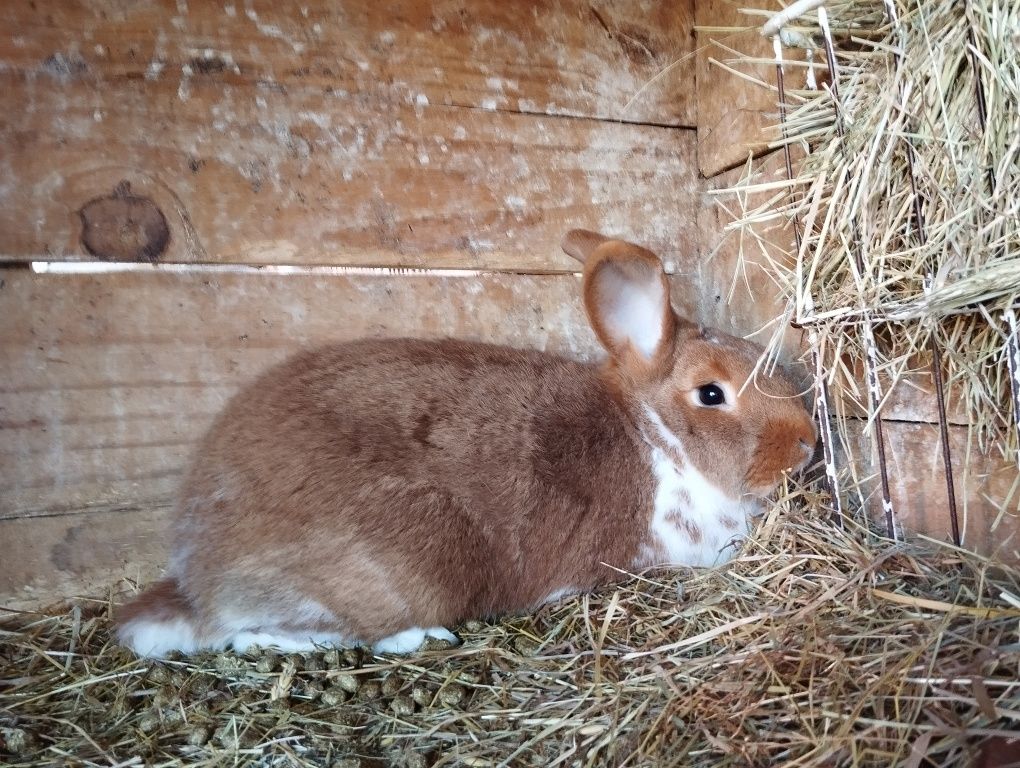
x: 548, y: 57
x: 50, y: 559
x: 110, y: 379
x: 987, y: 487
x: 371, y: 134
x: 735, y: 116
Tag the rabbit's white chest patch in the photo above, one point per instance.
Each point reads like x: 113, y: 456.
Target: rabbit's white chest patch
x: 693, y: 521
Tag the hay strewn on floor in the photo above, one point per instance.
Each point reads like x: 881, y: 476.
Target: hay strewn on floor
x: 817, y: 647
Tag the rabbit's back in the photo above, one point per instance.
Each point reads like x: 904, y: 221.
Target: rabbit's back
x: 439, y: 479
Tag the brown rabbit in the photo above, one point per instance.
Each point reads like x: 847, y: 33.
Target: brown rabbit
x: 378, y: 491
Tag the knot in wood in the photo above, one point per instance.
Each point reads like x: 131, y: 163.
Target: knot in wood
x: 124, y: 227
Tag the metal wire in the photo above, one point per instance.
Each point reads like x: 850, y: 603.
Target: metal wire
x: 1013, y: 363
x: 821, y: 386
x: 871, y: 356
x: 933, y: 343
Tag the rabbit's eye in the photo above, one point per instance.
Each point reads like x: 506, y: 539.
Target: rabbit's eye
x: 711, y: 394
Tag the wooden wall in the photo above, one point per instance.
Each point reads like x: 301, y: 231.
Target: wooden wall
x: 463, y: 136
x: 452, y: 134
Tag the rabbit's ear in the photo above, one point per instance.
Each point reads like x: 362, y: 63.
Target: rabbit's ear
x: 580, y: 243
x: 626, y: 295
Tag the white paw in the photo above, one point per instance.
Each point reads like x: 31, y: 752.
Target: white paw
x: 410, y: 640
x: 442, y: 633
x: 153, y: 638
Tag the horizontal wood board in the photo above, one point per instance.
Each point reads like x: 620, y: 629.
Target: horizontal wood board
x: 601, y: 59
x: 400, y: 134
x: 987, y: 488
x: 47, y: 560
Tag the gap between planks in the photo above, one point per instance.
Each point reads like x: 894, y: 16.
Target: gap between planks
x: 101, y: 267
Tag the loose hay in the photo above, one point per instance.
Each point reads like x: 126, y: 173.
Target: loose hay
x: 816, y: 647
x: 903, y: 123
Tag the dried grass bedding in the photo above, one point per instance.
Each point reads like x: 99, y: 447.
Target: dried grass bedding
x: 816, y: 647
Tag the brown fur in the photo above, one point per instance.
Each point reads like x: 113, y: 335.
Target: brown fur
x: 687, y: 526
x: 408, y: 483
x: 729, y: 522
x: 480, y: 478
x: 743, y: 449
x: 162, y: 601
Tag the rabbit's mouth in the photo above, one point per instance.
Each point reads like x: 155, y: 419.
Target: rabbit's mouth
x: 768, y: 472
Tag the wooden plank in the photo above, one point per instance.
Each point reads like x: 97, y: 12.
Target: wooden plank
x: 549, y: 57
x: 248, y: 146
x: 322, y: 183
x: 987, y: 487
x: 109, y: 379
x: 911, y: 398
x: 736, y: 116
x: 49, y: 559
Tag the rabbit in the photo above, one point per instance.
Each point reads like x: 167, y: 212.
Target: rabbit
x: 377, y: 492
